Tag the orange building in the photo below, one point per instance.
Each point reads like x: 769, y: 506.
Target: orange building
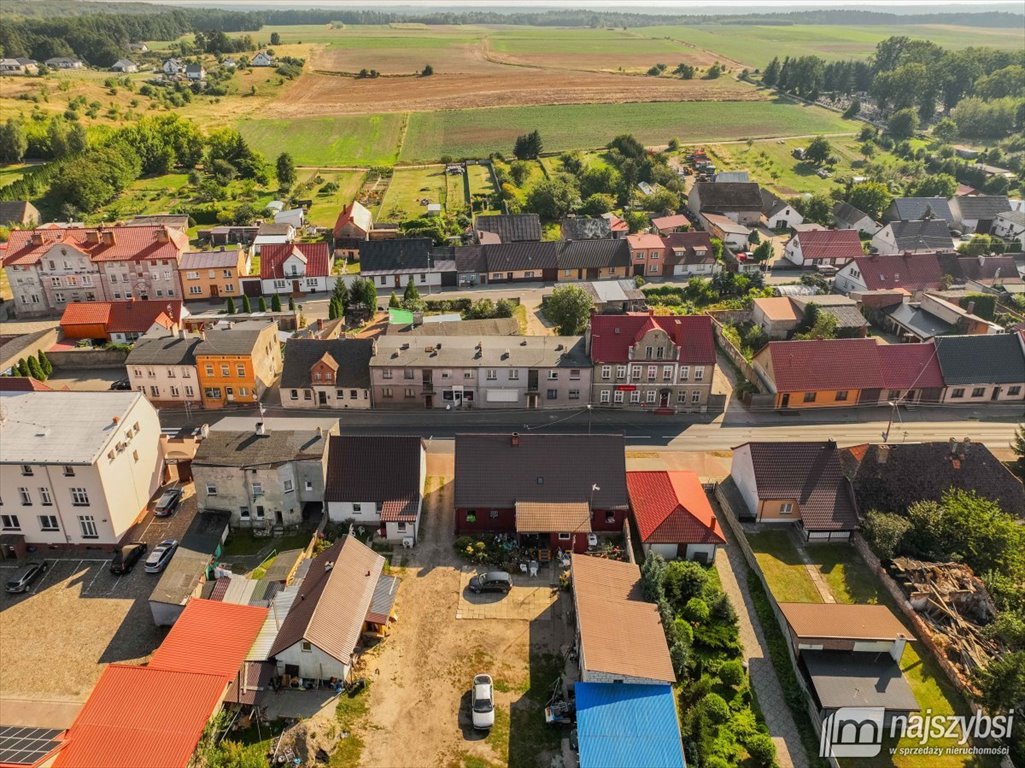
x: 236, y: 364
x: 213, y: 274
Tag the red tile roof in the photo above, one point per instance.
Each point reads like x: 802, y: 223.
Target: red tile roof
x: 129, y: 243
x: 644, y: 241
x: 806, y: 366
x: 613, y: 335
x: 139, y: 716
x: 86, y: 313
x: 910, y: 366
x: 914, y: 272
x: 123, y: 316
x: 210, y: 637
x: 22, y: 384
x: 272, y: 257
x: 672, y: 508
x: 616, y: 224
x: 676, y: 220
x: 830, y: 244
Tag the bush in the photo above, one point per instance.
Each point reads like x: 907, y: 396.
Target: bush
x: 761, y: 749
x: 683, y: 580
x: 715, y: 708
x: 696, y: 611
x: 884, y: 532
x: 732, y: 673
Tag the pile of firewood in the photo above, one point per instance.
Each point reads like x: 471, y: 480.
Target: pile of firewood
x: 955, y: 605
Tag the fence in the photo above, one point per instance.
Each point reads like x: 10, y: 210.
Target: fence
x: 80, y: 359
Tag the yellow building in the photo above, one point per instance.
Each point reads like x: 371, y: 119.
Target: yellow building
x: 213, y: 274
x: 238, y: 363
x: 821, y: 373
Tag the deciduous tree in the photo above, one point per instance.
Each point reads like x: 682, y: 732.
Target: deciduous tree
x: 569, y: 307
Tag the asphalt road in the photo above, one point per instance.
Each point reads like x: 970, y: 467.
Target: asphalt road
x: 687, y: 432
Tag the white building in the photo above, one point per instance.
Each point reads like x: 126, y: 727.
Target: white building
x: 922, y: 236
x: 172, y: 67
x: 77, y: 469
x: 262, y: 59
x: 1010, y: 226
x: 162, y: 365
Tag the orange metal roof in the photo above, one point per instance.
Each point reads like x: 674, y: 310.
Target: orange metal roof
x: 210, y: 637
x: 140, y: 716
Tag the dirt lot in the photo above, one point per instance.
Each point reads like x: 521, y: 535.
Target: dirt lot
x: 78, y: 617
x: 420, y: 696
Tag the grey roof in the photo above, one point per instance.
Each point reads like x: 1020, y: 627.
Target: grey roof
x: 593, y: 254
x: 585, y: 228
x: 996, y: 359
x: 771, y: 205
x: 351, y: 355
x: 613, y: 290
x: 164, y: 349
x: 401, y: 254
x: 729, y: 196
x: 498, y: 470
x: 513, y: 257
x: 511, y: 228
x: 496, y: 326
x: 275, y: 228
x: 923, y: 324
x: 384, y: 598
x: 374, y: 468
x: 845, y: 213
x: 222, y: 259
x: 17, y: 211
x: 724, y: 177
x: 922, y: 235
x: 244, y: 449
x: 398, y: 351
x: 858, y: 680
x: 1015, y: 217
x: 915, y: 208
x: 240, y: 339
x: 979, y: 206
x: 846, y: 316
x: 188, y: 564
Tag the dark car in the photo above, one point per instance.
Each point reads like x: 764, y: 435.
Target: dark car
x: 23, y: 577
x: 121, y: 385
x: 126, y: 557
x: 168, y: 502
x: 161, y: 556
x: 493, y: 581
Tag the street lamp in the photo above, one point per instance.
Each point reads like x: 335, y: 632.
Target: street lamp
x: 894, y: 408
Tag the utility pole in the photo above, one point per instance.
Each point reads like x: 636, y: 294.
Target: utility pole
x: 894, y: 408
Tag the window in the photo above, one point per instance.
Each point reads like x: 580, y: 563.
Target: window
x: 492, y: 374
x: 212, y: 392
x: 353, y: 394
x: 386, y: 392
x: 386, y: 373
x: 1013, y: 391
x: 79, y: 497
x: 154, y: 391
x: 257, y: 489
x: 189, y: 392
x: 88, y: 526
x: 695, y: 396
x: 10, y: 523
x: 658, y: 353
x: 195, y: 290
x: 958, y: 392
x: 620, y: 371
x: 423, y: 278
x: 48, y: 523
x: 553, y: 375
x: 652, y: 372
x: 209, y: 370
x: 293, y: 394
x: 306, y: 646
x: 45, y: 498
x: 260, y: 512
x: 606, y: 371
x: 684, y: 372
x: 58, y: 297
x: 574, y: 374
x: 514, y: 374
x: 699, y: 374
x: 26, y: 470
x: 69, y: 471
x: 652, y: 394
x: 841, y: 396
x: 978, y: 391
x: 211, y: 490
x: 240, y: 369
x: 225, y: 370
x: 307, y: 395
x: 357, y: 507
x: 635, y: 372
x: 287, y: 486
x: 635, y: 396
x: 618, y: 397
x: 574, y: 394
x: 408, y: 373
x: 647, y: 353
x: 309, y: 485
x: 466, y: 375
x: 564, y: 537
x: 400, y: 527
x: 809, y: 397
x: 410, y: 392
x: 603, y: 396
x: 786, y: 508
x: 244, y: 513
x: 893, y: 394
x: 26, y: 497
x: 667, y: 373
x: 681, y: 396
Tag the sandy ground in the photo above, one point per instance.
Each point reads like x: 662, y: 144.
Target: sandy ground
x: 423, y: 670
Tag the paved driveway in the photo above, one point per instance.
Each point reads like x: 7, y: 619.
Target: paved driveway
x: 530, y: 599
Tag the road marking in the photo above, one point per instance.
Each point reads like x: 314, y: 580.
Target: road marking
x: 95, y: 576
x: 39, y: 583
x: 116, y: 582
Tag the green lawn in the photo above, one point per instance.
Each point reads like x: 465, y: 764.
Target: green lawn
x: 408, y: 187
x: 787, y: 575
x: 481, y: 184
x: 350, y: 713
x: 342, y: 140
x: 478, y: 132
x: 327, y: 205
x: 13, y: 172
x: 154, y: 194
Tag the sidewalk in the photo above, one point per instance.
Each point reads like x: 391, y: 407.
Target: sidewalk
x: 732, y: 570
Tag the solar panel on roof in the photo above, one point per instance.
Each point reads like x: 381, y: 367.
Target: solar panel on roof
x: 21, y: 745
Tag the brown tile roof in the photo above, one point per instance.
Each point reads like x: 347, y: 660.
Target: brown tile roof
x: 333, y: 601
x: 620, y: 633
x: 777, y: 308
x: 499, y: 470
x: 375, y: 468
x: 820, y: 364
x: 544, y: 517
x: 848, y: 622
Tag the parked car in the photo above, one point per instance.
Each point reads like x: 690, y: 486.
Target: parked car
x: 482, y: 702
x: 826, y: 269
x: 493, y: 581
x: 126, y: 557
x: 168, y: 502
x: 121, y: 385
x: 24, y: 576
x: 161, y: 556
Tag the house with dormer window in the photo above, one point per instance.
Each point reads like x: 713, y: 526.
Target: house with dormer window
x: 296, y: 268
x: 649, y: 362
x: 327, y: 373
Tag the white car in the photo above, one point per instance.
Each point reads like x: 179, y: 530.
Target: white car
x: 482, y: 702
x: 160, y: 556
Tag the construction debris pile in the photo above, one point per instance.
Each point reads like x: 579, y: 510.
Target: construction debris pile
x: 955, y: 605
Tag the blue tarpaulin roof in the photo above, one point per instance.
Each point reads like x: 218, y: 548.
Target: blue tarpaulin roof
x: 620, y: 725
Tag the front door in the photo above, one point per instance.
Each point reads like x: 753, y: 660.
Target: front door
x: 398, y: 281
x: 429, y: 401
x: 321, y: 397
x: 532, y: 401
x: 996, y: 393
x: 295, y: 287
x: 229, y: 392
x: 785, y: 401
x: 214, y: 292
x: 663, y: 399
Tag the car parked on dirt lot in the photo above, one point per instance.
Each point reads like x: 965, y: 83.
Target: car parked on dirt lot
x: 121, y: 385
x: 127, y: 556
x: 161, y: 556
x: 24, y: 576
x: 482, y: 702
x: 492, y: 581
x: 168, y: 502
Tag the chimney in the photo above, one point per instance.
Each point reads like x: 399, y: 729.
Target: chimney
x: 117, y: 420
x: 831, y: 444
x: 329, y: 565
x: 970, y: 309
x: 515, y: 441
x: 163, y: 235
x: 37, y: 238
x: 963, y: 449
x: 204, y: 431
x: 952, y: 446
x: 982, y: 259
x: 320, y: 431
x: 320, y: 324
x: 897, y: 649
x: 261, y: 428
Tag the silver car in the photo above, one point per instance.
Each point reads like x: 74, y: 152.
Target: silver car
x: 161, y: 556
x: 482, y: 702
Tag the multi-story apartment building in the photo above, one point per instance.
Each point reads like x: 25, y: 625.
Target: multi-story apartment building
x: 648, y: 361
x: 480, y: 372
x: 162, y: 365
x: 236, y: 364
x: 77, y: 469
x: 48, y: 268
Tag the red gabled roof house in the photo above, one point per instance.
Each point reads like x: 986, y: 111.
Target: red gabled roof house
x: 296, y: 268
x: 913, y: 273
x: 672, y: 515
x: 833, y: 247
x: 652, y: 361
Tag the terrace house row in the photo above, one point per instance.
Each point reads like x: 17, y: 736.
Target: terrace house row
x: 49, y: 268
